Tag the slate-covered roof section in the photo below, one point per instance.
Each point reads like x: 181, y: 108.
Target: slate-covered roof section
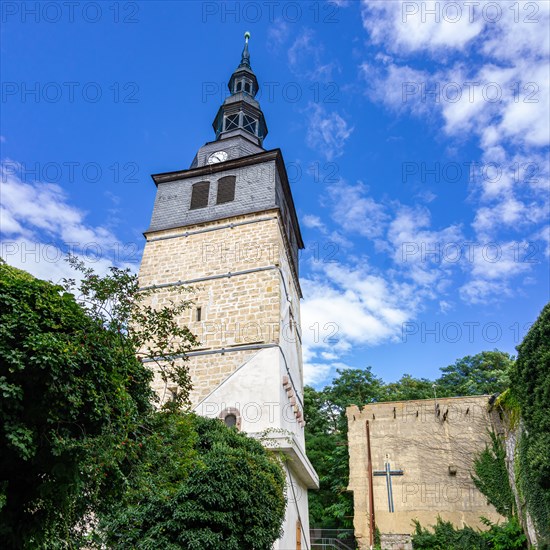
x: 169, y: 210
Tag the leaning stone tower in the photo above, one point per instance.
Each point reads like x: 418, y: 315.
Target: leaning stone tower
x: 227, y: 227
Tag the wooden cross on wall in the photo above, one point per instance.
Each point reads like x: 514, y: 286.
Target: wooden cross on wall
x: 388, y: 473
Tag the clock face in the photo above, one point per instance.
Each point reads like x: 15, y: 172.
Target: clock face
x: 218, y: 156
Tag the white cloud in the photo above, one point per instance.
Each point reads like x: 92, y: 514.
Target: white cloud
x: 43, y: 207
x: 46, y: 260
x: 421, y: 251
x: 489, y: 80
x: 409, y: 27
x: 305, y: 58
x: 479, y: 291
x: 315, y: 373
x: 347, y: 306
x: 327, y: 132
x: 39, y: 227
x: 278, y: 33
x: 313, y: 222
x: 355, y: 211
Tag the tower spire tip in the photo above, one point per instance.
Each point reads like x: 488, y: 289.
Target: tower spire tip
x: 245, y: 58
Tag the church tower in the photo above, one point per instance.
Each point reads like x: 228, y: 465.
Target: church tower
x: 228, y: 228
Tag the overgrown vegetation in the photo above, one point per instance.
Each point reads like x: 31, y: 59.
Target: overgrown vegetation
x: 491, y: 476
x: 198, y: 485
x: 531, y: 387
x: 85, y: 457
x: 524, y: 406
x: 444, y: 536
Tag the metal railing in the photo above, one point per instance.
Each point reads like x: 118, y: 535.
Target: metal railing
x: 332, y: 539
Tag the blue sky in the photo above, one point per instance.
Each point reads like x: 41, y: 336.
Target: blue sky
x: 416, y: 142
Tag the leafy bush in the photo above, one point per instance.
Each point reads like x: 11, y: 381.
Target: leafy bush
x: 85, y: 458
x: 506, y: 536
x: 227, y: 492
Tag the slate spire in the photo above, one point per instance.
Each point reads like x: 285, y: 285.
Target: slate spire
x: 240, y: 113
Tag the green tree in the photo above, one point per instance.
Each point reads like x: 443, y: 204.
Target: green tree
x: 69, y: 394
x: 484, y: 373
x: 531, y: 387
x: 326, y: 432
x: 327, y: 443
x: 408, y: 387
x: 198, y: 485
x: 149, y: 332
x: 354, y: 387
x: 322, y: 442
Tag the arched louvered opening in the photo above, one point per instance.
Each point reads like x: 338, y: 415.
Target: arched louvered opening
x: 226, y: 189
x: 199, y: 195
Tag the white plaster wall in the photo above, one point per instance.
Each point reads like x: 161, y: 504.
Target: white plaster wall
x: 291, y: 348
x: 253, y: 390
x: 288, y: 540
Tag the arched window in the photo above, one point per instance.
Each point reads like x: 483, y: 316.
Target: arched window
x: 226, y: 189
x: 239, y: 86
x: 231, y: 417
x: 230, y: 420
x: 199, y: 195
x: 247, y: 87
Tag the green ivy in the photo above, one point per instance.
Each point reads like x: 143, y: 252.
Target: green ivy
x: 531, y: 388
x: 491, y: 476
x: 509, y: 409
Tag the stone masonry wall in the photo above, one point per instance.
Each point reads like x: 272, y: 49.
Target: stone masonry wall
x: 236, y: 309
x: 434, y: 444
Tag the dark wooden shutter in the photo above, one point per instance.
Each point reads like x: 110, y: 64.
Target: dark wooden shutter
x: 226, y: 189
x: 199, y: 195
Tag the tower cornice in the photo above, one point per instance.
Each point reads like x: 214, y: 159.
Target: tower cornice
x: 219, y: 167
